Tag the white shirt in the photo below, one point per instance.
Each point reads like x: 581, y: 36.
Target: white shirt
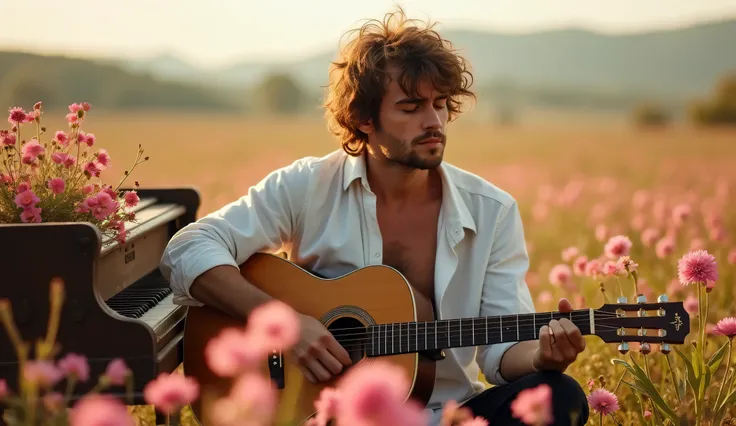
x: 322, y: 212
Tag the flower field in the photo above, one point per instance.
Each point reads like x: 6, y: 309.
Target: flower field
x: 598, y: 202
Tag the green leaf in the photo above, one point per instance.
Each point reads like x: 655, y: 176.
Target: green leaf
x: 646, y: 387
x: 692, y: 379
x: 715, y: 360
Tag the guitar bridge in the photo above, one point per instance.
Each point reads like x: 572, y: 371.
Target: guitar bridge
x: 276, y: 368
x: 434, y: 355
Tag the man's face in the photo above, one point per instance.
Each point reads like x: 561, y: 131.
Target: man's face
x: 411, y: 131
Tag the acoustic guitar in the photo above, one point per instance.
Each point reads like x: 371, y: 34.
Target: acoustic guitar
x: 374, y: 312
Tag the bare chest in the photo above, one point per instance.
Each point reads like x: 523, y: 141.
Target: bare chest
x: 409, y: 245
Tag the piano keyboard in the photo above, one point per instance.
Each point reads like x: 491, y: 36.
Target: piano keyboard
x: 151, y: 301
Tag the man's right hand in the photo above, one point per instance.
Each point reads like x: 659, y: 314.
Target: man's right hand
x: 320, y: 356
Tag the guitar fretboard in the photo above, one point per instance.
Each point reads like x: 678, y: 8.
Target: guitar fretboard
x: 409, y: 337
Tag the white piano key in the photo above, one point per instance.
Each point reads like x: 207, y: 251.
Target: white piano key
x: 163, y: 316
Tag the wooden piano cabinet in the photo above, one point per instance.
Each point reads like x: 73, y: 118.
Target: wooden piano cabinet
x: 31, y: 255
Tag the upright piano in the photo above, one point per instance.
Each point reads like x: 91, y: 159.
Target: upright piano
x: 117, y: 304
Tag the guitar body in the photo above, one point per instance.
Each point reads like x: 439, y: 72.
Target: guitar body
x: 371, y: 295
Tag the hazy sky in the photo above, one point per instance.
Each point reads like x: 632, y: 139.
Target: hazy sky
x: 216, y: 32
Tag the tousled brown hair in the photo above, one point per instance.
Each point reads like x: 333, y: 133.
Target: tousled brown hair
x: 358, y: 78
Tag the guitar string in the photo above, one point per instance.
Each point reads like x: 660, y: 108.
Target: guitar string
x: 382, y: 337
x: 361, y: 343
x: 403, y: 329
x: 526, y: 317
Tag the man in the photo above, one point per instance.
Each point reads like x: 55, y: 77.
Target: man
x: 387, y: 198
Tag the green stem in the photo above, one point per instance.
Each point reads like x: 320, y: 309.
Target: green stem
x: 675, y: 382
x: 725, y: 374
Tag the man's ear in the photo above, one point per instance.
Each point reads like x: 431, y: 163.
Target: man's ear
x: 367, y: 127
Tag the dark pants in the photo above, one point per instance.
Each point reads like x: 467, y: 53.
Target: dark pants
x: 568, y: 400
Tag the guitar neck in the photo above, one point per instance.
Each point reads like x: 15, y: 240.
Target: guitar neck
x: 410, y: 337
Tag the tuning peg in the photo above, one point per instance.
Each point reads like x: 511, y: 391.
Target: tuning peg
x: 662, y: 298
x: 622, y: 299
x: 641, y: 299
x: 665, y: 348
x: 644, y: 348
x: 623, y: 347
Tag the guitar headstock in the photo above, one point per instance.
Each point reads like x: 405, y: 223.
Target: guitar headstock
x: 660, y: 322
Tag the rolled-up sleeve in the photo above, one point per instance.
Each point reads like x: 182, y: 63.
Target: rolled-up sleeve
x: 264, y: 219
x: 505, y: 290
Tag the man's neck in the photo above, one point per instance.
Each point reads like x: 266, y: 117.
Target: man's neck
x: 397, y: 185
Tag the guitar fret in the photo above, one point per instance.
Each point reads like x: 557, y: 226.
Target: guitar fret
x: 517, y: 327
x: 472, y: 328
x: 426, y: 340
x: 487, y: 342
x: 385, y: 342
x: 500, y: 326
x: 416, y: 336
x: 534, y: 319
x: 461, y: 331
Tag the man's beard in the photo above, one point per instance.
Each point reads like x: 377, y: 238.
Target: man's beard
x: 404, y: 154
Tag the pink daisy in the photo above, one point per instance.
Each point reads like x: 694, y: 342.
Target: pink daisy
x: 617, y: 246
x: 274, y: 324
x: 560, y: 275
x: 534, y: 406
x: 603, y: 401
x: 697, y: 267
x: 726, y: 327
x: 170, y: 392
x: 95, y: 410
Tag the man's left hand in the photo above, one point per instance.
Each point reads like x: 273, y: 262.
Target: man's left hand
x: 560, y: 342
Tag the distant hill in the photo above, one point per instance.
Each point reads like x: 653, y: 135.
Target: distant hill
x: 672, y: 63
x: 59, y: 81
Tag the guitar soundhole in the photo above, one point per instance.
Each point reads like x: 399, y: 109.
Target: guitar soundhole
x: 351, y: 334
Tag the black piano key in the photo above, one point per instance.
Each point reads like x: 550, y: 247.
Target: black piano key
x: 139, y: 298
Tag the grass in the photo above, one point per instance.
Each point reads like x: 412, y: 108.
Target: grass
x: 223, y: 155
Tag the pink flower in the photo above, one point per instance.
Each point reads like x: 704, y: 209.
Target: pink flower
x: 374, y: 394
x: 72, y: 118
x: 26, y: 199
x: 32, y: 149
x: 578, y: 266
x: 75, y: 365
x: 327, y: 405
x: 649, y: 236
x: 275, y: 325
x: 534, y: 406
x: 7, y: 138
x: 101, y: 205
x: 131, y: 199
x: 170, y: 392
x: 697, y: 244
x: 647, y: 414
x: 103, y: 158
x: 601, y: 231
x: 628, y: 265
x: 233, y: 352
x: 117, y: 372
x: 88, y: 189
x: 91, y: 169
x: 62, y: 138
x: 257, y: 395
x: 613, y: 269
x: 59, y: 157
x: 697, y: 267
x: 44, y: 373
x: 665, y: 247
x: 680, y: 213
x: 594, y: 268
x: 617, y: 246
x: 74, y: 108
x: 544, y: 297
x: 88, y: 138
x: 100, y: 410
x: 691, y: 304
x: 560, y: 275
x: 603, y: 401
x: 56, y: 185
x: 731, y: 258
x: 569, y: 253
x: 16, y: 116
x: 31, y: 215
x: 726, y: 327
